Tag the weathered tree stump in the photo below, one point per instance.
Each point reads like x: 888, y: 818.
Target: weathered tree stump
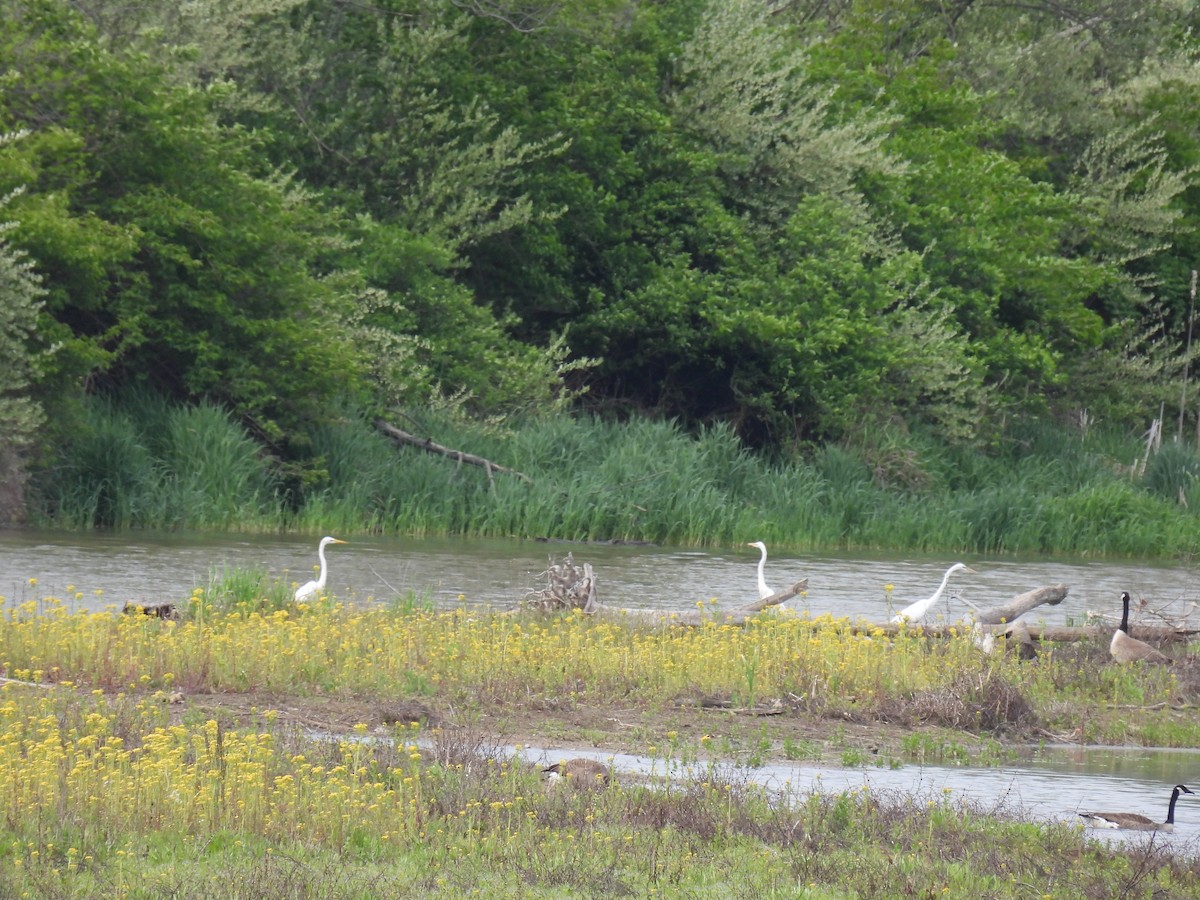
x: 569, y: 586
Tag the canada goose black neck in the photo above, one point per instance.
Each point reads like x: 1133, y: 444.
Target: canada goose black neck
x: 1179, y: 788
x: 1125, y: 648
x: 1136, y: 821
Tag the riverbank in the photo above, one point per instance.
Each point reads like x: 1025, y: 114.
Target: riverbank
x: 144, y: 793
x: 1042, y: 490
x: 323, y: 750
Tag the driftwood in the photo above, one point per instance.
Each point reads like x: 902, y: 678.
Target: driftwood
x: 1061, y: 633
x: 572, y: 586
x: 1021, y: 604
x: 404, y: 438
x: 568, y: 586
x: 736, y: 616
x: 37, y: 684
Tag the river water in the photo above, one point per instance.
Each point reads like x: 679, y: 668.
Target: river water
x: 155, y: 568
x: 1048, y: 785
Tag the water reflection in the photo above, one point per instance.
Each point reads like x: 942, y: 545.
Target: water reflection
x: 156, y: 568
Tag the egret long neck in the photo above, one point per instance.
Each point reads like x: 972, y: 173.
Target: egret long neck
x: 321, y: 556
x: 942, y: 586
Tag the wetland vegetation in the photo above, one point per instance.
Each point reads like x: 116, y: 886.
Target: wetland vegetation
x: 901, y: 276
x: 323, y: 750
x: 146, y: 463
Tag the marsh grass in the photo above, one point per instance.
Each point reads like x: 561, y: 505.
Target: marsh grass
x: 242, y: 590
x: 141, y: 463
x: 822, y: 668
x: 108, y: 802
x: 111, y: 791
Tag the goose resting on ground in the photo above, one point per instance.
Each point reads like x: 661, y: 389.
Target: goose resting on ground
x: 579, y: 772
x: 1126, y: 649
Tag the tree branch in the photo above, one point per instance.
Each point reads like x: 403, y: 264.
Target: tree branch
x: 403, y: 437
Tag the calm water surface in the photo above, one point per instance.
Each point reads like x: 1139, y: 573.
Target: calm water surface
x: 1037, y: 790
x: 157, y: 568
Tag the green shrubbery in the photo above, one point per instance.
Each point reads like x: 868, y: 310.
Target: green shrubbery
x: 143, y: 463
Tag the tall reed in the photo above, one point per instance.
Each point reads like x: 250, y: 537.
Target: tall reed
x: 146, y: 464
x: 140, y: 462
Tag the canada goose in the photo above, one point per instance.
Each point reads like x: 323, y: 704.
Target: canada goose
x: 1018, y: 632
x: 914, y: 612
x: 312, y: 588
x: 579, y: 772
x: 1126, y: 649
x: 764, y: 591
x: 1136, y: 821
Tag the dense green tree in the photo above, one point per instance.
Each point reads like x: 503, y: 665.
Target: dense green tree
x: 20, y: 300
x: 804, y: 218
x: 169, y: 262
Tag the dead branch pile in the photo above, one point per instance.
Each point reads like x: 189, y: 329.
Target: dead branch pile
x: 568, y: 586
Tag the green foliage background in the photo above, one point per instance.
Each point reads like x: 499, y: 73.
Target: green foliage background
x: 819, y: 226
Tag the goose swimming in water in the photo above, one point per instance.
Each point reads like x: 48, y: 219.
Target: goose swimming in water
x: 1136, y: 821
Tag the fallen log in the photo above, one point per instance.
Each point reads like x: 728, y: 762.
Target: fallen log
x: 695, y: 617
x: 400, y: 436
x: 1021, y: 604
x: 1054, y: 633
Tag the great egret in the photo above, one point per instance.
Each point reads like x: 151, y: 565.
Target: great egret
x: 1136, y: 821
x: 914, y: 612
x: 764, y: 590
x: 1127, y: 649
x: 582, y: 773
x: 312, y: 588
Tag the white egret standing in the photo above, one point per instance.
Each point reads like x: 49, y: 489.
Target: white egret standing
x: 1136, y: 821
x: 764, y: 589
x: 1125, y: 648
x: 914, y: 612
x: 312, y: 588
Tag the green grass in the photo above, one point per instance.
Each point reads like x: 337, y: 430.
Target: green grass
x: 114, y: 789
x: 143, y: 464
x: 267, y: 811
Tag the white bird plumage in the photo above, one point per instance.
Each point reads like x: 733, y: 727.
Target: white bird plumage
x: 1136, y: 821
x: 312, y: 588
x: 764, y: 590
x: 914, y: 612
